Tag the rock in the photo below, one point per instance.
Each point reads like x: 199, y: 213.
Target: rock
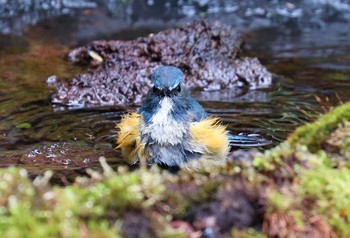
x: 118, y: 71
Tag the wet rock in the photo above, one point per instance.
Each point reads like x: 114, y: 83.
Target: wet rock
x: 119, y: 70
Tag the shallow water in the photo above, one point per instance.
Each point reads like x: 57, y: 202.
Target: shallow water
x: 312, y: 70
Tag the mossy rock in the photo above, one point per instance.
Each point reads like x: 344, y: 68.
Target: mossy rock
x: 313, y: 134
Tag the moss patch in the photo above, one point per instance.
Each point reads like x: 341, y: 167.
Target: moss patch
x: 312, y: 135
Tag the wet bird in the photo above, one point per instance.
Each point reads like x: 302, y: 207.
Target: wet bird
x: 171, y: 128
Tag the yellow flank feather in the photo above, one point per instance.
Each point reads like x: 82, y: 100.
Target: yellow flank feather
x: 210, y: 137
x: 129, y: 138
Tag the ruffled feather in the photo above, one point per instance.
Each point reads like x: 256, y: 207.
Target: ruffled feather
x: 210, y: 138
x: 129, y: 138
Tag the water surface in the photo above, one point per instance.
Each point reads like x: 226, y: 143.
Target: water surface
x: 312, y: 74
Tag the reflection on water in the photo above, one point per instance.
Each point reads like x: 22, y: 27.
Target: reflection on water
x: 308, y: 62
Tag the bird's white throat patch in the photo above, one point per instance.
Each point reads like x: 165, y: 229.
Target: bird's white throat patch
x: 162, y: 127
x: 163, y: 112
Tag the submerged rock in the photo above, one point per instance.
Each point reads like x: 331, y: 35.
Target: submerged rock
x: 119, y: 70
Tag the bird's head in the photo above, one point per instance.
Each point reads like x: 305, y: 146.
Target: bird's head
x: 167, y: 81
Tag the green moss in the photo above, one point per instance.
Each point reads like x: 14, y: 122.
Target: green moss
x: 312, y: 135
x: 279, y: 202
x: 298, y: 218
x: 23, y: 125
x: 312, y: 187
x: 250, y: 233
x: 339, y: 140
x: 93, y: 206
x: 339, y: 75
x: 272, y: 159
x: 329, y: 189
x: 35, y: 209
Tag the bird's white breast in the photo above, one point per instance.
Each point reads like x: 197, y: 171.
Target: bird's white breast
x: 163, y: 128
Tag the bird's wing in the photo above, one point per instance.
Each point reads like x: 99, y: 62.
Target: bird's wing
x: 198, y: 111
x: 148, y: 107
x: 209, y: 138
x: 129, y: 138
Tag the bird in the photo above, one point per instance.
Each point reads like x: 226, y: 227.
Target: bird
x: 171, y: 128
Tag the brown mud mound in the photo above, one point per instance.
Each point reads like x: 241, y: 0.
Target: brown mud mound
x: 118, y: 71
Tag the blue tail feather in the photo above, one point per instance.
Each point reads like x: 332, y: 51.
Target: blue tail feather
x: 248, y: 140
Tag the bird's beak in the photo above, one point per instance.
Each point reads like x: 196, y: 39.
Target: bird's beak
x: 166, y: 92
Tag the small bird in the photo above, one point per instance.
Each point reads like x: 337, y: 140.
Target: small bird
x: 171, y: 128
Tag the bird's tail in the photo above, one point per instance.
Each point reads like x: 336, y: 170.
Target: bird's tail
x: 247, y: 140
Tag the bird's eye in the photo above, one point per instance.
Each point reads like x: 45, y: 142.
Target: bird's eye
x: 178, y: 88
x: 156, y: 90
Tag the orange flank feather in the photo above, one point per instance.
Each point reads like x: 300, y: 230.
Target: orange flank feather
x: 129, y: 138
x: 210, y: 137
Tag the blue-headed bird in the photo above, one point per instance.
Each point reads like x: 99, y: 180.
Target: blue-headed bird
x: 171, y: 128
